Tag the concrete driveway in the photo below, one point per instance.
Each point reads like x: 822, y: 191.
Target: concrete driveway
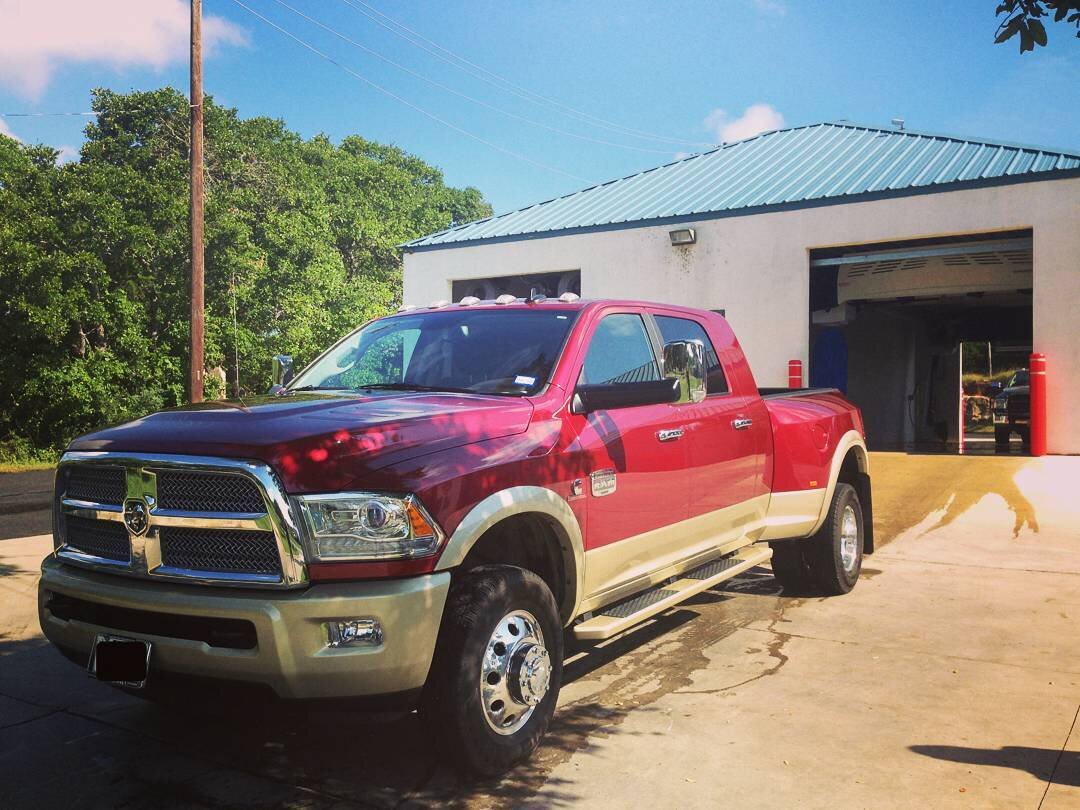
x: 950, y: 677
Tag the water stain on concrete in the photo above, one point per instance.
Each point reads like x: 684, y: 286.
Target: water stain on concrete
x: 909, y: 489
x: 631, y: 682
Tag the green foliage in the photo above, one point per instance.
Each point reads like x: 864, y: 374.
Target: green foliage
x: 384, y: 361
x: 1024, y: 18
x: 301, y: 240
x: 18, y: 455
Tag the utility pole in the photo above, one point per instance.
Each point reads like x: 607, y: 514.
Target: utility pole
x: 196, y: 370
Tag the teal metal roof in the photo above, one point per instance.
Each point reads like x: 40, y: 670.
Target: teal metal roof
x: 812, y: 165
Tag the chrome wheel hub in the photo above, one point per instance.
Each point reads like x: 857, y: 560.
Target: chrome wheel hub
x: 515, y: 673
x: 849, y: 539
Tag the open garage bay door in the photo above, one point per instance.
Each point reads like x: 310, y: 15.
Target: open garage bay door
x: 903, y: 329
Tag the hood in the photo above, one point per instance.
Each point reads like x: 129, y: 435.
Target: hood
x: 320, y: 442
x: 1015, y: 390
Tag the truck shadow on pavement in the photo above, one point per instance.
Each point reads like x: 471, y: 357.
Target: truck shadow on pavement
x: 1048, y: 764
x: 205, y: 751
x: 327, y: 757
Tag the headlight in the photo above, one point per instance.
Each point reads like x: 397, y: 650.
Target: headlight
x: 1001, y: 403
x: 366, y: 526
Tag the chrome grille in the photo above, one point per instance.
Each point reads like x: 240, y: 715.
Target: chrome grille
x: 96, y: 484
x: 220, y: 551
x: 211, y: 520
x: 191, y: 491
x: 98, y: 538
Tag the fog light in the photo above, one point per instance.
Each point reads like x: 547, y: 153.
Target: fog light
x: 351, y: 632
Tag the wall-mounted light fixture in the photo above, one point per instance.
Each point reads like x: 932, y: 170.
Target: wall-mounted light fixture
x: 683, y: 236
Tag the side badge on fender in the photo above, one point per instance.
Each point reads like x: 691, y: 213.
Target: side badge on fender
x: 603, y: 482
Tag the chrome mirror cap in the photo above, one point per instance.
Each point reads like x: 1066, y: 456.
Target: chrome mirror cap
x: 281, y: 372
x: 684, y: 360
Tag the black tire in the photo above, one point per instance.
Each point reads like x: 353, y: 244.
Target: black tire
x: 789, y: 564
x: 824, y: 551
x: 1001, y: 435
x: 1025, y: 438
x: 452, y: 703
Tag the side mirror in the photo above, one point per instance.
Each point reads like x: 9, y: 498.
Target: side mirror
x: 281, y: 372
x: 684, y: 360
x: 589, y: 398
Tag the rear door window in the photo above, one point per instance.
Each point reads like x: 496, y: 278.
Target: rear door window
x: 672, y: 329
x: 620, y: 352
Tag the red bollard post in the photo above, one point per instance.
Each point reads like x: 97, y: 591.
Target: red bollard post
x: 1037, y: 372
x: 794, y: 374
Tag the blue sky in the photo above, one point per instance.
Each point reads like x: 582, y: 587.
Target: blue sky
x: 691, y: 72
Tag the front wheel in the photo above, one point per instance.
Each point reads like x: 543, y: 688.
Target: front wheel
x: 497, y: 668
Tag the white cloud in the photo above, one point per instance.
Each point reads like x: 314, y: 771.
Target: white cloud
x: 776, y: 7
x: 37, y: 37
x: 756, y: 119
x: 6, y: 130
x: 66, y: 154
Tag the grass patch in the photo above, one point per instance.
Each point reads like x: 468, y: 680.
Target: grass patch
x: 18, y: 455
x: 25, y: 466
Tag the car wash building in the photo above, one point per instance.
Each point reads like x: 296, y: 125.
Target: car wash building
x: 916, y: 272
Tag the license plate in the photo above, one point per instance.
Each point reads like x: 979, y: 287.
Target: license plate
x: 122, y: 661
x: 1000, y: 419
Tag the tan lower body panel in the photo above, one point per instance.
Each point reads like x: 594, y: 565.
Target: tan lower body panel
x: 626, y: 566
x: 607, y: 625
x: 793, y: 514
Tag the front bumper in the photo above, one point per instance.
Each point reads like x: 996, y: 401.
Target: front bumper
x: 291, y: 654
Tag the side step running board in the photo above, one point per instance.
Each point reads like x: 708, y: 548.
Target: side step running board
x: 616, y: 618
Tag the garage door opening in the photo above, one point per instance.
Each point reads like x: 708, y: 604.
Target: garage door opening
x: 930, y: 338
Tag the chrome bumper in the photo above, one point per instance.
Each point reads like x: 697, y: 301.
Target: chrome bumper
x: 292, y: 654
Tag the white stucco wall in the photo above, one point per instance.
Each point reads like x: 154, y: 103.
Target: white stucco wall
x: 756, y: 267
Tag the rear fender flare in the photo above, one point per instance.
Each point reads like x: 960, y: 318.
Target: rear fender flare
x: 851, y: 441
x: 517, y: 501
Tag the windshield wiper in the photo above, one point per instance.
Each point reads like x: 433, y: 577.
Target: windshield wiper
x: 318, y: 388
x: 403, y: 386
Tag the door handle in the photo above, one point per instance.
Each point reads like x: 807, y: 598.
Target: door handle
x: 742, y: 423
x: 670, y: 435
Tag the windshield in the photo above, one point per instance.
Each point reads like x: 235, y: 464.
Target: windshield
x: 1019, y: 378
x: 483, y: 351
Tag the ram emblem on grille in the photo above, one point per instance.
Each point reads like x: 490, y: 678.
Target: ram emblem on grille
x: 135, y: 517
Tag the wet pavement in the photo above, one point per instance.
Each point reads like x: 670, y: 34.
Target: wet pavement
x: 949, y: 677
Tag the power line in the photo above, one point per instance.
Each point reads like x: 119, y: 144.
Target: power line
x: 465, y: 96
x: 56, y: 114
x: 48, y: 114
x: 485, y: 75
x: 406, y: 102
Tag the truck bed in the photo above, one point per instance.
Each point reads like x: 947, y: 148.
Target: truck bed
x: 771, y: 393
x: 808, y: 424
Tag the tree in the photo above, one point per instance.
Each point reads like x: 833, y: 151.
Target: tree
x: 1024, y: 18
x: 301, y: 240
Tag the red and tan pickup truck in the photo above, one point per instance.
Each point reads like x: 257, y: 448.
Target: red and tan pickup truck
x: 427, y: 511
